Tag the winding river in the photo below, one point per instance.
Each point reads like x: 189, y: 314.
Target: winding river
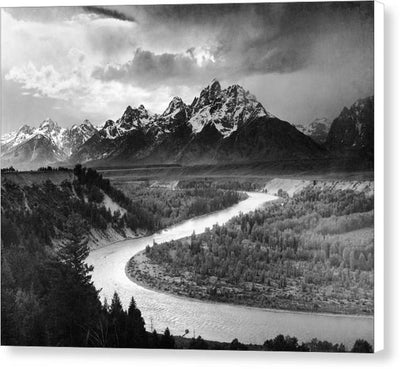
x: 214, y: 321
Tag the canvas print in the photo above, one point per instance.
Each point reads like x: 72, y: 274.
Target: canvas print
x: 188, y: 176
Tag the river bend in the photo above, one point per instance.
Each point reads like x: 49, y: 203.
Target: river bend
x: 214, y: 321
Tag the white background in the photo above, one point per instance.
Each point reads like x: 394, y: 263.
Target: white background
x: 62, y: 358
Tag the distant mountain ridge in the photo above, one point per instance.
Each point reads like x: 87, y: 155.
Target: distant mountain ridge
x: 220, y: 126
x: 49, y: 143
x: 318, y: 129
x: 353, y: 129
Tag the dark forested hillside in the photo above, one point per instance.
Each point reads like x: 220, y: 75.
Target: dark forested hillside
x: 47, y: 294
x: 48, y: 298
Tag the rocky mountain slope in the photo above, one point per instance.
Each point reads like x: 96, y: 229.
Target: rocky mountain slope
x: 353, y: 130
x: 49, y: 143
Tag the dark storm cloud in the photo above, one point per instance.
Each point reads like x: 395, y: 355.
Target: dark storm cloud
x: 250, y: 39
x: 147, y: 66
x: 301, y: 60
x: 110, y: 13
x: 284, y: 39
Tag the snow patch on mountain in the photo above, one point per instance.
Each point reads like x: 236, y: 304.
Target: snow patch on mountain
x: 227, y: 109
x: 58, y: 142
x: 133, y: 118
x: 318, y: 129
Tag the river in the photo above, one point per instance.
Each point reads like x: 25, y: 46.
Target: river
x: 214, y: 321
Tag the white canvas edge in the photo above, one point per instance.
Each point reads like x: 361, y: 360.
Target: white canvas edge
x: 379, y: 176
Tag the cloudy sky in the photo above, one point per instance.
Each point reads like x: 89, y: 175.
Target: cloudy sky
x: 302, y: 61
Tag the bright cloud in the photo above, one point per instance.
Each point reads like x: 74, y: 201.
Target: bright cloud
x: 92, y: 62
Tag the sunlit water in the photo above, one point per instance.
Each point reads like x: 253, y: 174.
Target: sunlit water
x: 214, y: 321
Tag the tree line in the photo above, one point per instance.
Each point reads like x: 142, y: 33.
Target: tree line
x: 169, y: 207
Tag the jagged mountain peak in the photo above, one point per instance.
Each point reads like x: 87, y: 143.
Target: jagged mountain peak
x: 49, y: 124
x: 215, y: 85
x: 175, y: 105
x: 108, y: 123
x: 358, y: 106
x: 360, y: 103
x: 130, y: 112
x: 353, y: 129
x: 87, y: 122
x: 49, y: 139
x: 208, y: 95
x: 227, y: 109
x: 132, y: 118
x: 176, y: 100
x: 25, y: 129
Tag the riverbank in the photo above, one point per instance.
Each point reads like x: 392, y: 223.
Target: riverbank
x: 147, y: 274
x: 278, y: 343
x: 214, y: 321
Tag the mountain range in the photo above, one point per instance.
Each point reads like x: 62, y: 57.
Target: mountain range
x: 219, y: 126
x: 49, y: 143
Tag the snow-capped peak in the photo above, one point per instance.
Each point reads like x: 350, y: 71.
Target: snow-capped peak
x: 174, y: 107
x: 215, y: 85
x: 87, y: 122
x: 85, y: 125
x: 227, y: 109
x: 323, y: 120
x: 25, y: 128
x: 64, y: 140
x: 318, y: 129
x: 14, y: 138
x: 7, y: 137
x: 48, y: 124
x: 133, y: 118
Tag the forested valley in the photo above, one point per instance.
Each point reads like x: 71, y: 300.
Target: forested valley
x: 312, y: 252
x: 47, y: 294
x: 168, y: 206
x: 48, y: 297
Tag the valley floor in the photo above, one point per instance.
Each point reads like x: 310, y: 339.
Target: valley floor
x: 323, y: 265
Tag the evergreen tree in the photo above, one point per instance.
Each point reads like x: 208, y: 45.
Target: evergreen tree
x: 167, y: 341
x: 154, y: 341
x: 76, y: 249
x: 136, y: 332
x: 72, y: 304
x: 362, y: 346
x: 117, y: 323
